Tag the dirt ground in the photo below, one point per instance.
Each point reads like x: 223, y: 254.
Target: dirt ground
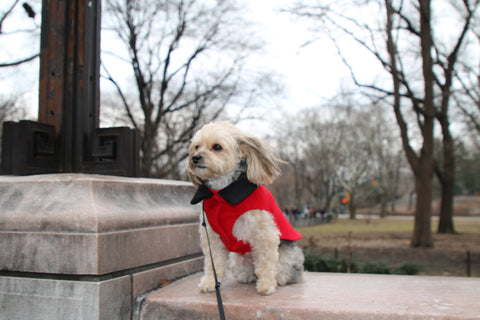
x: 447, y: 258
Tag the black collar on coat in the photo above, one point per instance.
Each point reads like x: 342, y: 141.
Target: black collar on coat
x: 234, y: 193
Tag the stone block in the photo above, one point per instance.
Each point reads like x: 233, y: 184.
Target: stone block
x: 89, y: 224
x: 29, y: 298
x: 89, y: 234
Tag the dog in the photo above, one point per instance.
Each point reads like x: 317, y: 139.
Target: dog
x: 247, y: 231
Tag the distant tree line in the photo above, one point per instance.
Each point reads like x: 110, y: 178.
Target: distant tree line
x: 341, y: 150
x: 353, y: 154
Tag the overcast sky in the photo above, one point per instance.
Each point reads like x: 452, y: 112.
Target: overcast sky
x: 310, y: 74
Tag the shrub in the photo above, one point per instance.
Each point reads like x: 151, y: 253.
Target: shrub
x: 316, y: 262
x: 408, y: 268
x: 379, y: 267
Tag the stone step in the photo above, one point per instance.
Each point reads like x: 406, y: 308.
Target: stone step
x: 323, y: 296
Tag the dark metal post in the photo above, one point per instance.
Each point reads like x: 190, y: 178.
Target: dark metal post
x: 469, y: 264
x: 67, y: 137
x: 70, y: 42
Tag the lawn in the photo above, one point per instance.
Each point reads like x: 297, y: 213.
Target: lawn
x: 391, y: 224
x: 387, y: 241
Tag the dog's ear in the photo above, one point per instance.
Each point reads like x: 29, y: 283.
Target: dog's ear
x: 195, y: 180
x: 262, y: 161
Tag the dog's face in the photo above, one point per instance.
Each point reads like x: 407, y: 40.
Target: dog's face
x: 219, y: 148
x: 213, y: 152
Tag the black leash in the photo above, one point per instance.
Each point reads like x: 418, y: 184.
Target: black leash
x: 217, y: 284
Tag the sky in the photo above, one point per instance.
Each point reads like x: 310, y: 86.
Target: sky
x: 310, y: 74
x: 16, y: 42
x: 313, y: 72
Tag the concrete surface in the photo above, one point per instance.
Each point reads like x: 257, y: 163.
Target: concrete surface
x: 324, y: 296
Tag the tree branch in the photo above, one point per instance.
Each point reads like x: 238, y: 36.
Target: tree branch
x: 16, y: 63
x: 122, y: 96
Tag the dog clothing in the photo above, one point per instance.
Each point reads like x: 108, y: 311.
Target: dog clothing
x: 224, y: 207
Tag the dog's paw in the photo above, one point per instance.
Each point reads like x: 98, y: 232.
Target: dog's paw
x: 207, y: 284
x: 246, y: 277
x: 266, y: 287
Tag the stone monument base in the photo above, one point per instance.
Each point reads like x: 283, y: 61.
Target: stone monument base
x: 75, y: 246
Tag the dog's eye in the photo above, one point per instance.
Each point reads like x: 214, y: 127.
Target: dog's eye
x: 217, y: 147
x: 196, y: 147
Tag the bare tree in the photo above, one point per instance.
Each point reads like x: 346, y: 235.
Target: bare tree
x: 386, y: 155
x: 290, y: 189
x: 187, y: 58
x: 319, y: 156
x: 447, y: 61
x: 358, y: 161
x: 352, y: 151
x: 14, y: 25
x: 469, y: 101
x: 5, y: 15
x: 401, y: 39
x: 468, y: 76
x: 322, y: 156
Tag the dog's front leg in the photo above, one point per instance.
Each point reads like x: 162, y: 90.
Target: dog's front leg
x: 258, y: 229
x: 219, y: 254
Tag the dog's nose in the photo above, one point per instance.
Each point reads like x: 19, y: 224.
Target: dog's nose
x: 196, y: 159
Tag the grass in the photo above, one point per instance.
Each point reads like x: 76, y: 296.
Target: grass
x: 382, y: 225
x: 383, y: 245
x: 472, y: 226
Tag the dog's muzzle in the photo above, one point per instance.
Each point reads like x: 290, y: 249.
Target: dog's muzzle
x: 196, y: 159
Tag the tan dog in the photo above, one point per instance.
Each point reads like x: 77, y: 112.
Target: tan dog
x: 230, y: 168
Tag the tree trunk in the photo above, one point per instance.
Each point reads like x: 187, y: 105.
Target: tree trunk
x: 147, y: 147
x: 422, y: 233
x: 445, y: 223
x: 352, y: 206
x: 328, y: 200
x: 447, y: 181
x: 383, y: 205
x: 146, y: 164
x: 424, y: 165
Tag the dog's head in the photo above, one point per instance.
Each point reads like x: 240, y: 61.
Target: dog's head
x: 219, y: 149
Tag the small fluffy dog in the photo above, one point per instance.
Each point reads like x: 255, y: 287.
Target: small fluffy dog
x: 230, y: 168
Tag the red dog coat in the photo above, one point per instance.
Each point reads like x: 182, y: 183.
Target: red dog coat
x: 224, y: 207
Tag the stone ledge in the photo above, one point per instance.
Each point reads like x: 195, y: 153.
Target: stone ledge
x: 93, y: 225
x: 324, y: 296
x: 87, y: 203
